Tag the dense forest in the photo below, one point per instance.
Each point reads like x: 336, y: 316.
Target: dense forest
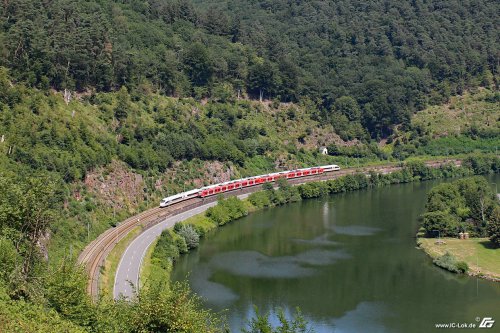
x: 466, y: 205
x: 374, y: 63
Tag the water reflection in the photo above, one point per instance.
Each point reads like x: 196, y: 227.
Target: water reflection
x: 257, y: 265
x: 355, y: 230
x: 322, y: 240
x: 217, y: 293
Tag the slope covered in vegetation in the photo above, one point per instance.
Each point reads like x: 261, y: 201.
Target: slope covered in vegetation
x: 106, y: 106
x: 387, y: 59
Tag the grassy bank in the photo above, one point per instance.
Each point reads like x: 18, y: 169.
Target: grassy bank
x: 483, y: 260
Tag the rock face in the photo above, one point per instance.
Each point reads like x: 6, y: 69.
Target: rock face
x: 116, y: 185
x: 206, y: 172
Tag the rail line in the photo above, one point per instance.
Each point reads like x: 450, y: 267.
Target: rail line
x: 95, y: 253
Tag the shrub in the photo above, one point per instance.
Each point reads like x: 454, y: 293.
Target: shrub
x: 494, y: 227
x: 445, y: 223
x: 169, y: 247
x: 313, y: 190
x: 190, y: 236
x: 180, y: 242
x: 267, y: 186
x: 259, y: 199
x: 177, y: 227
x: 449, y: 262
x: 227, y: 210
x: 462, y: 267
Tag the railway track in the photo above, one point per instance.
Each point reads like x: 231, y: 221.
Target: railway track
x: 95, y: 253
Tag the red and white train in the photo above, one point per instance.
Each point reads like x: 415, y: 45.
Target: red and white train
x: 245, y: 182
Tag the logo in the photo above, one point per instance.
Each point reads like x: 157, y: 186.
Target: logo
x: 487, y: 322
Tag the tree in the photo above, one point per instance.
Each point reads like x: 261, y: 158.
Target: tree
x: 122, y: 108
x: 260, y: 323
x: 28, y: 210
x: 494, y: 226
x: 172, y: 308
x: 263, y: 78
x: 348, y: 106
x: 198, y: 64
x: 65, y: 291
x: 440, y: 223
x: 190, y: 235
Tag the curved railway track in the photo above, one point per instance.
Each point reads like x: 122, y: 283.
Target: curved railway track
x: 95, y: 253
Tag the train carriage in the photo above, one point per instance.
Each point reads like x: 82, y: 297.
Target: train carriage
x: 246, y: 182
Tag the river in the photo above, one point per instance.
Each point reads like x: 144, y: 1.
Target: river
x: 349, y: 262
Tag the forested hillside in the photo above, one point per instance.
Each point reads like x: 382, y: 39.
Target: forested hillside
x: 108, y: 105
x: 387, y: 59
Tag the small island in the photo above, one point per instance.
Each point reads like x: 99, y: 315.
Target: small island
x: 461, y: 228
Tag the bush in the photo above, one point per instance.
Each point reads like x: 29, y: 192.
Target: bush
x: 445, y: 223
x: 180, y: 242
x: 261, y: 323
x: 227, y: 210
x: 313, y: 190
x: 259, y: 199
x: 462, y: 267
x: 448, y: 262
x: 494, y: 227
x: 169, y: 247
x: 191, y: 237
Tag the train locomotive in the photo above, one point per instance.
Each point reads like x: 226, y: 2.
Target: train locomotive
x: 245, y: 182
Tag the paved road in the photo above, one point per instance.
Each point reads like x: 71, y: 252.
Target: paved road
x: 127, y: 273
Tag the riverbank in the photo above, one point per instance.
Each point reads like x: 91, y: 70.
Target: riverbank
x: 483, y: 260
x: 412, y: 171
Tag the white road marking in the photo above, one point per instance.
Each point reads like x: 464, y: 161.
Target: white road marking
x: 140, y: 246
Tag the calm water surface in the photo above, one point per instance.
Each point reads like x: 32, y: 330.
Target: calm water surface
x: 348, y: 261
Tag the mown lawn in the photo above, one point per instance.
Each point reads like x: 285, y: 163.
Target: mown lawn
x: 478, y: 253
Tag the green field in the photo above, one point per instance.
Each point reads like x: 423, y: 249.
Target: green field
x: 478, y: 253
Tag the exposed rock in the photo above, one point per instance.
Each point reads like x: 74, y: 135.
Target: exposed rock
x: 116, y: 185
